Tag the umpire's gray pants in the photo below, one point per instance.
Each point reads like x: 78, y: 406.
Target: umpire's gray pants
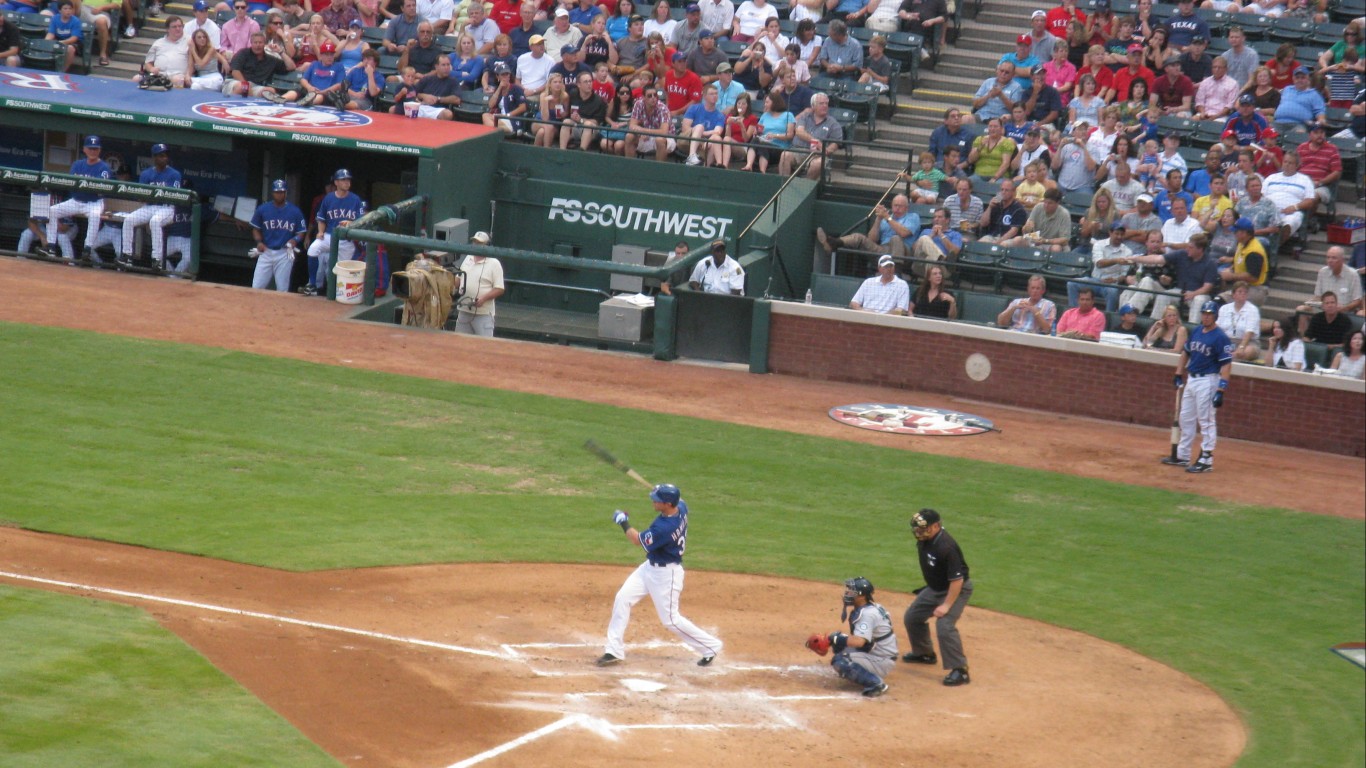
x: 917, y: 625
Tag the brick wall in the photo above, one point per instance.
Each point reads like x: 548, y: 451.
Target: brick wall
x: 1061, y: 375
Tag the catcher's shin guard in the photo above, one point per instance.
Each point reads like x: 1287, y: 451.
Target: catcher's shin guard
x: 847, y: 669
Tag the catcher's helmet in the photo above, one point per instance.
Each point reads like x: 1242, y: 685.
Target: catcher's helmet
x: 855, y: 587
x: 666, y: 493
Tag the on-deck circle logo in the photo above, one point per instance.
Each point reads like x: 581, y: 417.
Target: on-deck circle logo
x: 268, y: 115
x: 911, y: 420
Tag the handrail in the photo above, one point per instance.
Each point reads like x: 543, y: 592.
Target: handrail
x: 558, y: 286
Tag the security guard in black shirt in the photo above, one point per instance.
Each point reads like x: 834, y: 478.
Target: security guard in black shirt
x: 944, y: 597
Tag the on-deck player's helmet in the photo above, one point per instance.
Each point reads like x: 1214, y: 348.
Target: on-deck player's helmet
x: 666, y: 493
x: 1210, y: 307
x: 855, y: 587
x: 341, y: 173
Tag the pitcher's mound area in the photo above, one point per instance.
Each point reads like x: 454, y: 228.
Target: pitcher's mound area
x: 493, y: 665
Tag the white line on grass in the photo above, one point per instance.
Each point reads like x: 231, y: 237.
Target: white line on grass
x: 257, y: 615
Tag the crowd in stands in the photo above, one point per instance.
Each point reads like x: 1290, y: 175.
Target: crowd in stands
x: 1093, y: 117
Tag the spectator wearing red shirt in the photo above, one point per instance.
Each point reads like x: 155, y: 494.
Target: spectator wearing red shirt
x: 1173, y: 90
x: 1083, y: 321
x: 1321, y: 161
x: 1097, y: 68
x: 683, y: 86
x: 1059, y: 17
x: 507, y: 14
x: 1134, y: 71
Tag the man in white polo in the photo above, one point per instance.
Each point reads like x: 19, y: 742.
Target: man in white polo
x: 718, y: 273
x: 884, y: 293
x: 483, y: 283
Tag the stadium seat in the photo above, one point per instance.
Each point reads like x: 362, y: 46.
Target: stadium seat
x: 1293, y: 30
x: 1023, y: 262
x: 43, y: 54
x: 834, y: 290
x: 374, y: 36
x: 981, y: 308
x: 472, y: 105
x: 977, y: 262
x: 862, y: 98
x: 33, y: 25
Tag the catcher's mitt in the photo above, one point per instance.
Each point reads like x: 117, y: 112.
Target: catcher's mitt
x: 818, y: 643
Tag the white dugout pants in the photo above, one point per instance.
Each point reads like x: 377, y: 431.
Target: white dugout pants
x: 156, y: 217
x: 109, y: 235
x: 63, y: 241
x: 1197, y: 409
x: 320, y: 250
x: 179, y: 246
x: 664, y: 585
x: 70, y: 208
x: 273, y: 264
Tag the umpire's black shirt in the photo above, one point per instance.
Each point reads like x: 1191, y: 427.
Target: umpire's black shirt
x: 941, y: 561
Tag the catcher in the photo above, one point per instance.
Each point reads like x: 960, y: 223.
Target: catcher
x: 868, y: 652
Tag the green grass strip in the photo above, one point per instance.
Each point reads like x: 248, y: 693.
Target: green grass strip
x: 303, y: 466
x: 85, y: 683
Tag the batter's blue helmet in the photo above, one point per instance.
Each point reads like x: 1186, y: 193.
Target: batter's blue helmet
x: 666, y: 493
x: 1210, y: 308
x: 341, y: 173
x: 160, y: 149
x: 279, y: 186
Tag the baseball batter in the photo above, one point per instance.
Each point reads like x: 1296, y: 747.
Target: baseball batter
x: 1205, y: 364
x: 338, y: 208
x: 660, y: 576
x: 156, y: 217
x: 278, y: 227
x: 867, y: 653
x: 87, y: 204
x: 944, y: 596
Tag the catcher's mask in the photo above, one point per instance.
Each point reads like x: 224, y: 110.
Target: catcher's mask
x: 921, y: 522
x: 855, y: 587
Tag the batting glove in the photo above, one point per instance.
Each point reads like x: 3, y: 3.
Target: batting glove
x: 619, y: 517
x: 1219, y: 399
x: 1177, y: 381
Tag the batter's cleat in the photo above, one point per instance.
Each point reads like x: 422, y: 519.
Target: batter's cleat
x: 308, y: 290
x: 919, y: 658
x: 706, y: 661
x: 1169, y: 461
x: 1200, y: 466
x: 607, y: 660
x: 957, y: 677
x: 873, y: 691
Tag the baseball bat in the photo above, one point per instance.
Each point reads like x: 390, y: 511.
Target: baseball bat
x: 606, y: 455
x: 1176, y: 420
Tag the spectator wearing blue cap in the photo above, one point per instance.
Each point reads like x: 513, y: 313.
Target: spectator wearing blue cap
x: 1300, y: 103
x: 279, y: 228
x: 154, y: 217
x: 202, y: 21
x: 89, y: 205
x: 686, y: 34
x: 1128, y: 322
x: 1249, y: 263
x: 706, y: 60
x: 569, y: 66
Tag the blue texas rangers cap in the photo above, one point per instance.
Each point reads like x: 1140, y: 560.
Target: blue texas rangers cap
x: 92, y: 141
x: 666, y: 493
x: 160, y: 149
x: 341, y: 173
x: 278, y: 186
x: 1209, y: 308
x: 1128, y: 309
x: 1245, y: 224
x: 200, y: 5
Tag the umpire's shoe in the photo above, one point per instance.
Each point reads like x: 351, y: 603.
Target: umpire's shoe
x: 1169, y: 461
x: 919, y: 658
x: 873, y: 691
x: 607, y: 660
x: 958, y: 676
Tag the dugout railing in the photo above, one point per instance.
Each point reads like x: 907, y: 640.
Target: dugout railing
x: 32, y: 181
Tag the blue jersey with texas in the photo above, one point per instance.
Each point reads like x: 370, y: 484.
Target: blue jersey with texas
x: 334, y: 210
x: 667, y: 537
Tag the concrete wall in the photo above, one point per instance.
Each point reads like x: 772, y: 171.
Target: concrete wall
x: 1321, y: 413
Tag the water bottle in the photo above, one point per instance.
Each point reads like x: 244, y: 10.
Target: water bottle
x: 808, y: 295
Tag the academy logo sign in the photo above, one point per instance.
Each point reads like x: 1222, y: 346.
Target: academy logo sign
x: 259, y: 112
x: 911, y: 420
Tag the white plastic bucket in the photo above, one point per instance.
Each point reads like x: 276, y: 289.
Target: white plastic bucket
x: 350, y: 281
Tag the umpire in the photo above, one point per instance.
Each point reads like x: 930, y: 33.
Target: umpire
x: 944, y: 597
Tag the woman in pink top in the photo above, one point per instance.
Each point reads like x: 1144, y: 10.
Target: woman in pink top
x: 1061, y: 73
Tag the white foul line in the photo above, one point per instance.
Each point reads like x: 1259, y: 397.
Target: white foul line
x: 563, y: 722
x: 257, y: 615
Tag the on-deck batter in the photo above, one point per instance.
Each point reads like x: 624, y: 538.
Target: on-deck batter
x: 660, y: 576
x: 1208, y: 359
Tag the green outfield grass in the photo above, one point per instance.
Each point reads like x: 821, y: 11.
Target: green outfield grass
x: 302, y: 466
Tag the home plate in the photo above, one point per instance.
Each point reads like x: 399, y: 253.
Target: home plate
x: 642, y: 686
